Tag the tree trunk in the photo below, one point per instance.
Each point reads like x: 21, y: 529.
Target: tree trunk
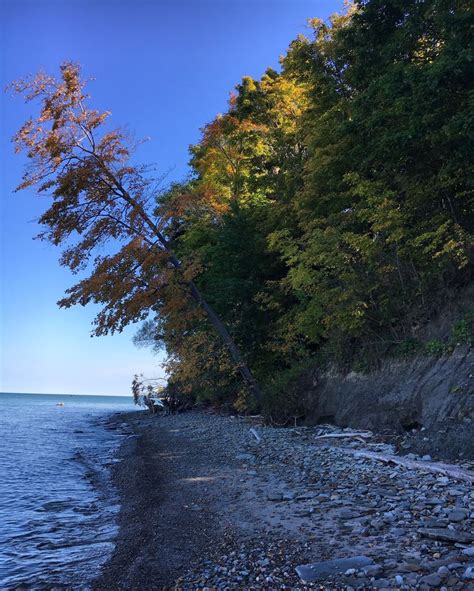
x: 196, y: 294
x: 229, y: 342
x: 220, y: 327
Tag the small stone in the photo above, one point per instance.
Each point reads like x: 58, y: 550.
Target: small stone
x: 245, y: 457
x: 426, y: 458
x: 410, y: 567
x: 347, y: 514
x: 390, y: 563
x: 373, y: 570
x: 469, y: 573
x: 398, y: 531
x: 457, y: 516
x: 468, y: 551
x: 431, y: 580
x: 443, y: 571
x: 389, y: 517
x: 275, y: 496
x: 454, y: 565
x: 398, y: 579
x: 323, y: 497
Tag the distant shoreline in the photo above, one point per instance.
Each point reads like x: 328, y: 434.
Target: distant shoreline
x: 58, y: 394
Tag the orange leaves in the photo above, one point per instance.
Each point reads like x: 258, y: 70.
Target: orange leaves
x: 192, y: 269
x: 63, y: 126
x: 97, y: 197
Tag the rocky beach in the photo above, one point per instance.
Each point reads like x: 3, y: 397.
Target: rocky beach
x: 213, y: 502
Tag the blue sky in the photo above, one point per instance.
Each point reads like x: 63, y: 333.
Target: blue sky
x: 162, y: 68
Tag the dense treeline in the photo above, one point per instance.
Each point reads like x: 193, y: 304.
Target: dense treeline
x: 330, y: 210
x: 328, y: 216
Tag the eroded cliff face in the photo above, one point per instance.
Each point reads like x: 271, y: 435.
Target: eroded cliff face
x: 434, y: 393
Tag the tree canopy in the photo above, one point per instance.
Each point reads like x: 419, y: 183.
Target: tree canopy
x: 329, y: 212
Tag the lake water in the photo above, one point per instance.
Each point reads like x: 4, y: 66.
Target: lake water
x: 57, y: 508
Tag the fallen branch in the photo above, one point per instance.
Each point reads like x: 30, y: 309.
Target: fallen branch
x: 435, y: 467
x: 341, y: 435
x: 254, y: 420
x: 255, y: 434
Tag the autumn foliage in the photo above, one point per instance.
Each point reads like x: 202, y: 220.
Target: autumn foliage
x: 329, y: 214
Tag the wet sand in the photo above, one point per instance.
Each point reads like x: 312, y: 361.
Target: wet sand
x: 161, y: 480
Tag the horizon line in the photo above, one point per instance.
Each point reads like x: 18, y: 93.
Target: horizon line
x: 67, y: 394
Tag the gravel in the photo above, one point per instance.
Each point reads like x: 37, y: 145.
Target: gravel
x: 205, y: 505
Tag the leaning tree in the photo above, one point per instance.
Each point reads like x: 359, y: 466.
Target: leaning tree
x: 98, y: 196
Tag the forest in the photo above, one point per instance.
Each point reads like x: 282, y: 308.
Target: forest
x: 327, y: 217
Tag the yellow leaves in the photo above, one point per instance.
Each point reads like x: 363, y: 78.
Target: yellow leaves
x: 448, y: 240
x: 192, y: 269
x: 427, y: 49
x: 229, y: 157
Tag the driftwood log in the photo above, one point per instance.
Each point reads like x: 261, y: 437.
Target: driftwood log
x: 354, y: 434
x: 434, y: 467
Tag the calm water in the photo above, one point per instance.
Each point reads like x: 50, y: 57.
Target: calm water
x: 57, y: 509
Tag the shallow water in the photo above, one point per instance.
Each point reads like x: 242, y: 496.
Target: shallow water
x: 57, y: 509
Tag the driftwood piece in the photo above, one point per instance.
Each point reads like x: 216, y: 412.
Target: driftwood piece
x: 446, y: 535
x: 255, y: 434
x: 434, y: 467
x: 256, y: 420
x: 319, y: 571
x: 362, y: 435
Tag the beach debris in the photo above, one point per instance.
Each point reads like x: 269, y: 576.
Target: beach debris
x: 447, y: 535
x: 332, y: 499
x: 426, y: 466
x: 319, y: 571
x: 356, y: 434
x: 253, y: 431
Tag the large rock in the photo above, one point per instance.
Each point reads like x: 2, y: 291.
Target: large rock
x: 318, y: 571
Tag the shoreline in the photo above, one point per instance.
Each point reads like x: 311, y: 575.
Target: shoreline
x: 158, y: 529
x: 205, y: 505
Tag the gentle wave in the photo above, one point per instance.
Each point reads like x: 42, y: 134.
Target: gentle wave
x: 57, y: 508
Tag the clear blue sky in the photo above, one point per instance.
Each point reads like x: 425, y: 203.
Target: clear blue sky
x: 162, y: 68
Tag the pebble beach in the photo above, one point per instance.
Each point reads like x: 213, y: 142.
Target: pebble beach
x: 214, y: 503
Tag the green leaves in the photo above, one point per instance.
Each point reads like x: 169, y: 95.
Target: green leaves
x: 329, y: 210
x: 341, y: 188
